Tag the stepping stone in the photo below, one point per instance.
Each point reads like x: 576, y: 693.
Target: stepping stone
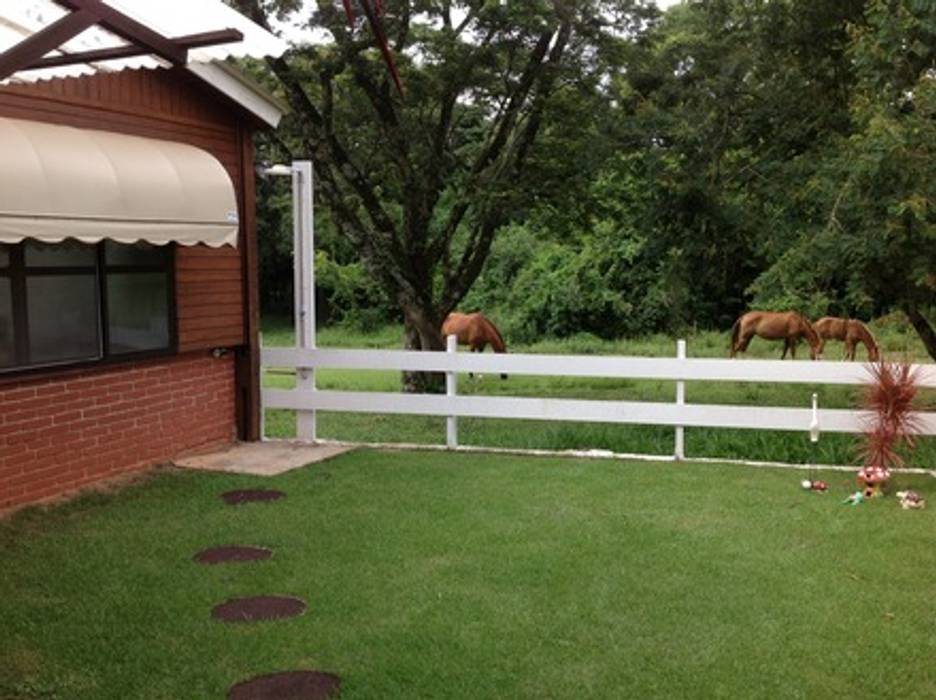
x: 256, y: 608
x: 288, y: 685
x: 236, y: 498
x: 219, y: 555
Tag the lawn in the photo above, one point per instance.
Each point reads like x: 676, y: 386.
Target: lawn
x: 700, y: 442
x: 431, y: 575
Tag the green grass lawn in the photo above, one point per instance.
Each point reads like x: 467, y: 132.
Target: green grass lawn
x: 700, y: 442
x: 433, y: 575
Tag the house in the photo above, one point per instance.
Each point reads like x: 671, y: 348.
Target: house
x: 128, y: 255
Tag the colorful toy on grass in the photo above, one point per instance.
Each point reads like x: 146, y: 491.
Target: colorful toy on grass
x: 815, y: 485
x: 855, y: 499
x: 911, y: 500
x: 873, y: 480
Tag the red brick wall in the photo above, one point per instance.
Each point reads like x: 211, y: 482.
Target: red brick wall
x: 62, y: 431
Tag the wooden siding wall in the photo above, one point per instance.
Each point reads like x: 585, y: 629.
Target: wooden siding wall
x: 170, y: 105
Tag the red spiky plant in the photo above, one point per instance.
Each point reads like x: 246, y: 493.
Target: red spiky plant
x: 894, y: 422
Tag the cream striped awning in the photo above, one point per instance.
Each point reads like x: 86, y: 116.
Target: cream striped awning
x: 59, y: 182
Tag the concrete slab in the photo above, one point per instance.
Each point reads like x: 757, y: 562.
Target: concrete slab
x: 262, y: 458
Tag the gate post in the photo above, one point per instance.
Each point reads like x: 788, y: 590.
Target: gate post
x: 680, y: 448
x: 304, y: 286
x: 451, y: 388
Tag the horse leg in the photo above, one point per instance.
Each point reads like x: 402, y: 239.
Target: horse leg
x: 786, y: 346
x: 849, y: 350
x: 793, y: 343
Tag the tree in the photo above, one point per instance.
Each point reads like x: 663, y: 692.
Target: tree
x: 421, y: 184
x: 875, y: 245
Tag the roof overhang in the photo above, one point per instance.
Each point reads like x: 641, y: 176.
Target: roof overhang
x: 47, y: 39
x: 59, y: 182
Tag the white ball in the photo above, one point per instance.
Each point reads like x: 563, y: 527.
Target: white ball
x: 806, y: 484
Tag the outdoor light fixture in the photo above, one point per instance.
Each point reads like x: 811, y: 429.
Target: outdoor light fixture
x: 278, y: 169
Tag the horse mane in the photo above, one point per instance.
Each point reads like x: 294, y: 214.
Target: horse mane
x: 500, y: 338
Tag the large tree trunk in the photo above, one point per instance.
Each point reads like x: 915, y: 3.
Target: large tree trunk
x: 923, y: 328
x: 422, y: 331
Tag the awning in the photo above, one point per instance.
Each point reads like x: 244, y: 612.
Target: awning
x: 58, y: 182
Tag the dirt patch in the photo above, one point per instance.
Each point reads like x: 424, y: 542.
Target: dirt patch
x: 256, y: 608
x: 288, y: 685
x: 232, y: 553
x: 239, y: 497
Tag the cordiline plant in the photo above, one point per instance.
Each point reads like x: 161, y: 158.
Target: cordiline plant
x: 894, y: 423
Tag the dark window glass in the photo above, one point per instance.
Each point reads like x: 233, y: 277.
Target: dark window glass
x: 7, y: 348
x: 62, y: 314
x: 73, y: 302
x: 68, y: 254
x: 137, y: 311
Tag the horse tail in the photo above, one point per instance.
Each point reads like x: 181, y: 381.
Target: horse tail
x: 735, y: 334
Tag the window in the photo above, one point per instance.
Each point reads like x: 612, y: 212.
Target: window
x: 73, y: 302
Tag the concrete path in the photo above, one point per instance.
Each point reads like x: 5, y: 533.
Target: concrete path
x: 262, y: 458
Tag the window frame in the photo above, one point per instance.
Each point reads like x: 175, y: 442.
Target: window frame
x: 18, y: 273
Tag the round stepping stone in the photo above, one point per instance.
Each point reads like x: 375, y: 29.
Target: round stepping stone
x: 219, y: 555
x: 261, y: 607
x: 288, y: 685
x: 236, y: 498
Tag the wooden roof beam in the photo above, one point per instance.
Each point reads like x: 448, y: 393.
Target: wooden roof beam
x: 48, y: 39
x: 189, y: 41
x: 130, y: 30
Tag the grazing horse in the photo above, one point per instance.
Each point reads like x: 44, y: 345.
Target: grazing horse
x: 475, y: 331
x: 850, y: 331
x: 789, y: 326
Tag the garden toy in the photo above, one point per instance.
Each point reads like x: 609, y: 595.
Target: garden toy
x: 911, y: 500
x: 855, y: 499
x: 873, y: 480
x: 815, y: 485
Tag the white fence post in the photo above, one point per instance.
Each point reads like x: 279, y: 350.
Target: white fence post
x: 261, y: 401
x: 680, y: 448
x: 451, y: 388
x: 304, y: 280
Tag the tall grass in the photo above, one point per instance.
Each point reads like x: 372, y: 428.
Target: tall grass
x: 700, y: 442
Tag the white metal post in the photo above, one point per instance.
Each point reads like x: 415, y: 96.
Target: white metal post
x: 680, y: 449
x: 262, y: 407
x: 451, y: 389
x: 304, y: 282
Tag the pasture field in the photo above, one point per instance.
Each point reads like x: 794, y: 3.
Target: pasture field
x: 431, y: 575
x: 897, y: 340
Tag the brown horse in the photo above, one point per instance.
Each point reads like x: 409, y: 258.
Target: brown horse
x: 850, y: 331
x: 475, y: 331
x: 789, y: 326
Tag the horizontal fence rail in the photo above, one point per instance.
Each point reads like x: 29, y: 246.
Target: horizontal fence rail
x: 673, y: 369
x: 678, y: 414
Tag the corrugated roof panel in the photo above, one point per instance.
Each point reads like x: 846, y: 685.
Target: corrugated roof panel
x: 171, y: 18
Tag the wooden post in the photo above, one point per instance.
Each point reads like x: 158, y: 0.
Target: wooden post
x: 304, y: 281
x: 451, y: 389
x: 680, y: 448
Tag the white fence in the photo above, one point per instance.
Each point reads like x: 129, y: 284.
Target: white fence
x: 305, y: 399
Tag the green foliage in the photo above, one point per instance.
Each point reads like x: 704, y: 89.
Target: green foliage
x: 720, y: 156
